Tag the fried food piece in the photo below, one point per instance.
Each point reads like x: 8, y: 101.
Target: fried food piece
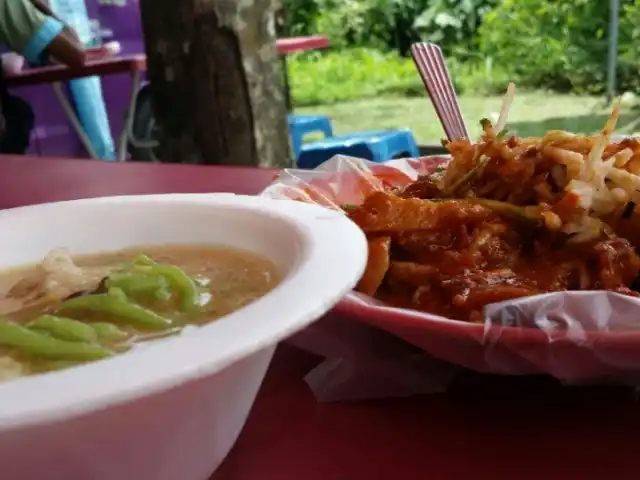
x: 425, y: 187
x: 412, y: 274
x: 377, y: 265
x: 477, y: 289
x: 618, y: 263
x: 626, y: 224
x: 384, y: 212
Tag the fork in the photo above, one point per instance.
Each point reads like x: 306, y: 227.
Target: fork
x: 430, y: 61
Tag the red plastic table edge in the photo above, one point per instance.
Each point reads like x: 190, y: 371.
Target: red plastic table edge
x: 61, y: 73
x: 301, y: 44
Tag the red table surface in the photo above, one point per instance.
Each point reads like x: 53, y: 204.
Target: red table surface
x: 301, y: 44
x: 485, y: 427
x: 61, y: 73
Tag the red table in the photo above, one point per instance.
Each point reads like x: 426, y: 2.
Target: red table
x: 61, y: 73
x: 301, y: 44
x: 483, y: 428
x: 28, y: 180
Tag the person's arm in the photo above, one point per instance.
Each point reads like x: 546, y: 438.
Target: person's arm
x: 44, y: 8
x: 66, y: 49
x: 26, y: 28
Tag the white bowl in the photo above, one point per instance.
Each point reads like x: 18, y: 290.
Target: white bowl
x: 173, y: 409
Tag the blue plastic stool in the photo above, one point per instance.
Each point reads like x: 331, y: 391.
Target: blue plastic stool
x: 378, y: 146
x: 301, y: 125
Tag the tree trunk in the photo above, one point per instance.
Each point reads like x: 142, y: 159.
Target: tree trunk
x: 216, y: 81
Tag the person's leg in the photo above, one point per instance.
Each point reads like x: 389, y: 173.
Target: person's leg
x: 19, y: 120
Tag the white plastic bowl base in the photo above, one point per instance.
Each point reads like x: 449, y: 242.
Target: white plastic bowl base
x: 173, y: 409
x: 183, y: 433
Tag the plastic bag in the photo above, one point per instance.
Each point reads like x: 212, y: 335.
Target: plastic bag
x: 577, y: 337
x: 364, y: 362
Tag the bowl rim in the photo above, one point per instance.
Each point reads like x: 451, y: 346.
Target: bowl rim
x: 324, y: 234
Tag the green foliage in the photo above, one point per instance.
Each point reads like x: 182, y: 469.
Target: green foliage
x: 557, y: 44
x: 348, y: 74
x: 629, y: 68
x: 478, y: 76
x: 387, y: 24
x: 353, y: 22
x: 453, y: 24
x: 560, y: 45
x: 299, y: 17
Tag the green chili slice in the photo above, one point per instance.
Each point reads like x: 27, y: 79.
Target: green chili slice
x: 116, y: 304
x: 137, y: 283
x: 64, y: 328
x: 38, y: 344
x: 108, y: 331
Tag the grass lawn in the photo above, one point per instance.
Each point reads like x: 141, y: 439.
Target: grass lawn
x: 532, y: 114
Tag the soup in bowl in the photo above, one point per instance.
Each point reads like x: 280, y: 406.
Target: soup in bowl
x: 65, y: 311
x: 135, y: 331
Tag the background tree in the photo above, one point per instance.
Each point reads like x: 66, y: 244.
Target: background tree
x: 216, y: 81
